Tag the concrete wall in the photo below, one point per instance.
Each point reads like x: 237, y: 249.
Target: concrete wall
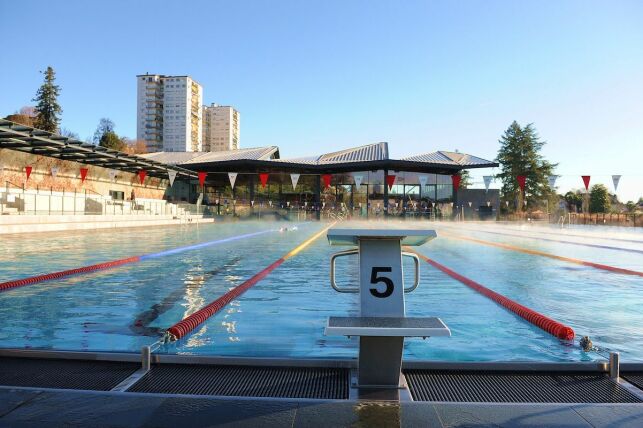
x: 479, y: 199
x: 68, y: 178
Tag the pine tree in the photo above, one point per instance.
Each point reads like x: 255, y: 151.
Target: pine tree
x: 519, y: 154
x: 48, y: 109
x: 465, y: 179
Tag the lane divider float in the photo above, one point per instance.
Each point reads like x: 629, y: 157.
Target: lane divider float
x: 545, y: 323
x: 539, y: 238
x: 185, y: 326
x: 543, y: 254
x: 115, y: 263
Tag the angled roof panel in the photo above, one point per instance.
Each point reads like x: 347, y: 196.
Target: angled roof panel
x: 187, y: 158
x: 450, y: 158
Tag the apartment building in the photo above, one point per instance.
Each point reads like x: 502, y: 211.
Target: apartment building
x: 169, y: 115
x: 220, y: 128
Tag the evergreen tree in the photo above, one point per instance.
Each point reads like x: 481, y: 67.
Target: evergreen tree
x: 465, y: 179
x: 519, y: 154
x: 105, y: 136
x: 48, y: 110
x: 599, y: 199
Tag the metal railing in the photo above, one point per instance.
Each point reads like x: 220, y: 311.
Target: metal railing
x: 16, y: 200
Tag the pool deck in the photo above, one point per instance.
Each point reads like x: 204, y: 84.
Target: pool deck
x: 24, y: 407
x: 50, y: 388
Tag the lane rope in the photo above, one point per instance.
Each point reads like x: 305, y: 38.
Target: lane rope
x: 543, y: 254
x: 545, y: 323
x: 607, y: 247
x: 115, y: 263
x: 185, y: 326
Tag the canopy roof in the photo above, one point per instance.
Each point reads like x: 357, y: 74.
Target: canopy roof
x: 368, y: 157
x: 23, y: 138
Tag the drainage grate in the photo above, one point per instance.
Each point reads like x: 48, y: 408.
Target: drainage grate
x: 635, y: 378
x: 283, y: 382
x: 64, y: 374
x: 495, y: 387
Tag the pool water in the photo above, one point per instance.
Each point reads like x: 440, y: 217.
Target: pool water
x: 284, y: 315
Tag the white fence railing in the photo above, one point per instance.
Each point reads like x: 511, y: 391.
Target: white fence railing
x: 48, y: 202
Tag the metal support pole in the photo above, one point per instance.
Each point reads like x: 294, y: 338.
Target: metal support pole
x: 318, y: 197
x: 614, y: 365
x: 146, y: 358
x: 385, y: 193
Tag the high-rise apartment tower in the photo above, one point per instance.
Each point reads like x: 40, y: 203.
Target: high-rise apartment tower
x: 220, y: 128
x: 169, y: 115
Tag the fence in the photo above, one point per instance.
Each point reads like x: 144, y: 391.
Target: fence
x: 606, y: 219
x: 19, y: 201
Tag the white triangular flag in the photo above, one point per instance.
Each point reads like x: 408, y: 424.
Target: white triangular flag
x: 295, y: 179
x: 487, y: 181
x: 423, y: 180
x: 252, y: 203
x: 171, y: 175
x: 233, y: 177
x: 358, y: 181
x: 616, y: 179
x: 552, y: 180
x: 112, y: 174
x: 54, y: 171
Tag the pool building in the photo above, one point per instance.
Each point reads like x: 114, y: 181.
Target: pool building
x: 363, y: 181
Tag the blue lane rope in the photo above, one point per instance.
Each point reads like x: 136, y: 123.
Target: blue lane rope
x: 202, y: 245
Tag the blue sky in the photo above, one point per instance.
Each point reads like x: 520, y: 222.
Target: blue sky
x: 313, y: 77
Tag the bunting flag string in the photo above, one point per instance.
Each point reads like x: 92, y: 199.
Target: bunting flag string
x: 232, y: 176
x: 586, y: 179
x: 487, y: 181
x: 455, y: 180
x: 28, y: 170
x: 54, y: 171
x: 202, y: 176
x: 171, y: 174
x: 83, y: 174
x: 522, y: 180
x: 390, y: 181
x: 552, y: 180
x: 615, y: 180
x: 263, y: 177
x: 326, y: 178
x: 141, y: 175
x: 294, y: 178
x: 358, y: 181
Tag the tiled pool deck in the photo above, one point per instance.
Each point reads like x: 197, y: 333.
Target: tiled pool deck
x: 56, y: 408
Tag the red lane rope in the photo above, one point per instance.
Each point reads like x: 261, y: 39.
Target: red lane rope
x: 191, y: 322
x: 32, y: 280
x: 185, y: 326
x: 549, y: 325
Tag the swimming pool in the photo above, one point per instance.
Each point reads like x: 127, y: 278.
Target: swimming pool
x: 284, y: 314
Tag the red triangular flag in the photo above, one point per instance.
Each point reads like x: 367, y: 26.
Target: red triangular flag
x: 83, y: 174
x: 263, y: 177
x: 586, y: 181
x: 455, y: 180
x: 28, y: 171
x: 202, y: 178
x: 390, y: 180
x: 521, y: 182
x: 327, y: 178
x: 141, y: 175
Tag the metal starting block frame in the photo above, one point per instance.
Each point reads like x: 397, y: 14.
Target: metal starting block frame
x: 382, y: 325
